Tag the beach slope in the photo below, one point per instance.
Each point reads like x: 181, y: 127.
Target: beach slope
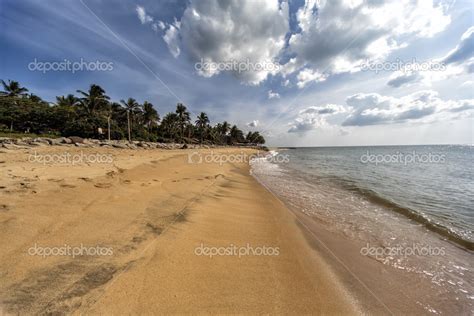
x: 161, y: 220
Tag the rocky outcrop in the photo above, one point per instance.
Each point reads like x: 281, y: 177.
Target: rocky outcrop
x: 28, y: 142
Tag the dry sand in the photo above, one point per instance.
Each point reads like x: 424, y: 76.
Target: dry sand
x: 152, y: 209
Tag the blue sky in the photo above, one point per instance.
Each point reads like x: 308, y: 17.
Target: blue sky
x: 316, y: 86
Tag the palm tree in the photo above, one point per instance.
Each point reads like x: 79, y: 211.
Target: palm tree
x: 225, y: 128
x: 255, y: 138
x: 34, y: 98
x: 202, y: 123
x: 150, y: 115
x: 222, y: 130
x: 93, y: 100
x: 130, y: 106
x: 236, y: 135
x: 115, y: 113
x: 183, y: 117
x: 67, y: 101
x: 170, y: 125
x: 13, y: 89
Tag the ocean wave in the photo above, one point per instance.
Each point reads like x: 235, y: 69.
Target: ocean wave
x: 414, y: 215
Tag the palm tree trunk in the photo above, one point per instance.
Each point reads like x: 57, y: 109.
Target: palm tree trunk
x: 108, y: 127
x: 128, y: 120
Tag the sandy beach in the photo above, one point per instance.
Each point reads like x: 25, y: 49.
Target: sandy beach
x: 168, y: 236
x: 236, y: 157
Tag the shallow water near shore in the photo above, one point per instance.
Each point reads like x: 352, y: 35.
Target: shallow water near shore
x: 410, y: 206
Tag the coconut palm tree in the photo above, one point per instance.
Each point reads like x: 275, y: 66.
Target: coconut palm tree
x: 236, y: 135
x: 34, y: 98
x: 255, y: 138
x: 150, y: 115
x: 93, y: 100
x: 202, y: 123
x: 183, y: 117
x: 225, y: 128
x: 222, y: 129
x: 170, y: 125
x: 67, y: 101
x: 13, y: 89
x: 131, y: 106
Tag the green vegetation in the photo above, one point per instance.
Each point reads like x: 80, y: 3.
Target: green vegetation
x: 92, y: 114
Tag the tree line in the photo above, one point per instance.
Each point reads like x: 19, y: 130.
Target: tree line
x: 91, y: 114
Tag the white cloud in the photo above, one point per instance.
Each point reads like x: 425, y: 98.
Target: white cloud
x: 335, y: 36
x: 236, y: 30
x: 375, y: 109
x: 458, y: 61
x: 400, y: 78
x: 171, y: 39
x: 307, y: 122
x: 161, y: 25
x: 314, y: 117
x: 338, y: 35
x: 325, y: 109
x: 468, y: 83
x: 307, y: 75
x: 273, y: 95
x: 464, y: 50
x: 171, y: 31
x: 254, y: 123
x: 142, y: 16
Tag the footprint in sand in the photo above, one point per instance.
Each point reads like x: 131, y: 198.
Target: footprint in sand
x: 26, y: 185
x: 103, y: 185
x: 67, y: 186
x: 55, y: 180
x: 138, y: 239
x: 154, y: 229
x: 4, y: 208
x: 111, y: 174
x: 85, y: 179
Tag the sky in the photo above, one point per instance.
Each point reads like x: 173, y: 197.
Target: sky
x: 302, y: 72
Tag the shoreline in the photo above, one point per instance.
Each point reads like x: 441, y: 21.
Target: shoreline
x: 378, y: 286
x: 154, y: 208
